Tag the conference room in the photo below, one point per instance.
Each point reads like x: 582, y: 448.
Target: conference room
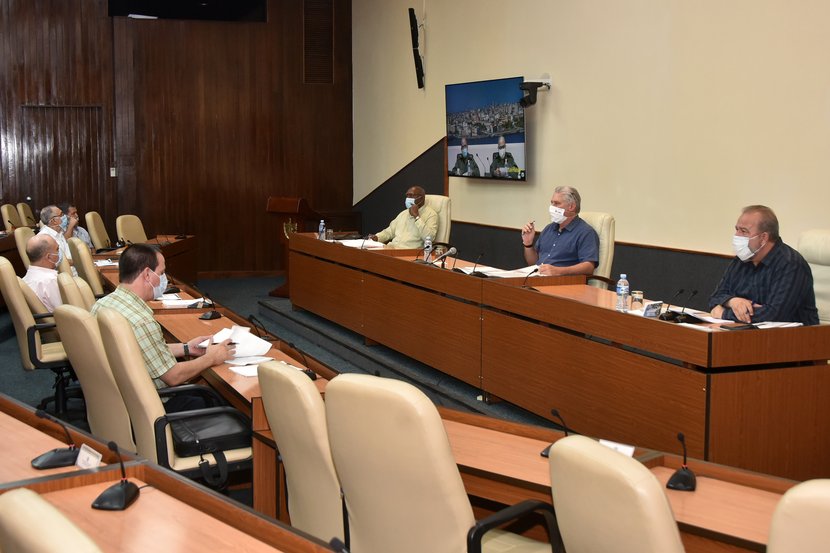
x: 230, y: 133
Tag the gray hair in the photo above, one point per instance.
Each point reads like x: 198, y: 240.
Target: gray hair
x: 47, y: 213
x: 38, y: 246
x: 571, y: 195
x: 769, y: 222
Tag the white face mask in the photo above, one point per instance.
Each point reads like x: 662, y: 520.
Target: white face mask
x: 409, y: 202
x: 557, y: 214
x: 501, y: 151
x: 740, y: 245
x: 159, y: 289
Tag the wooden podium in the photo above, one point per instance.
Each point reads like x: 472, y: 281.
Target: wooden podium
x: 297, y: 211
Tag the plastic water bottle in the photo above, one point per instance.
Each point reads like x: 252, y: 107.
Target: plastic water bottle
x: 427, y: 247
x: 623, y: 292
x: 321, y: 230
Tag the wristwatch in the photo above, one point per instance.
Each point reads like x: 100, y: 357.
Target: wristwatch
x: 186, y: 350
x: 526, y: 246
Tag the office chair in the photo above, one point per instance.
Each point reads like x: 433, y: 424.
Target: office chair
x: 130, y: 228
x: 75, y: 291
x: 401, y: 484
x: 11, y: 219
x: 105, y: 409
x: 97, y: 230
x: 22, y: 235
x: 24, y: 210
x: 799, y: 523
x: 443, y: 207
x: 606, y: 501
x: 814, y: 245
x: 85, y: 266
x: 603, y: 224
x: 30, y: 523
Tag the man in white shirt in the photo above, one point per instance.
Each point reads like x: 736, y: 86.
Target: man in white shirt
x: 51, y: 216
x: 412, y: 225
x: 42, y: 275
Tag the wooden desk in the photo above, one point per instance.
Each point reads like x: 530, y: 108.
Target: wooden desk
x: 181, y: 256
x: 747, y: 399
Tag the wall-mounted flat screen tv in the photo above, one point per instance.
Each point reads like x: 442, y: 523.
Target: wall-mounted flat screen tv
x: 486, y: 129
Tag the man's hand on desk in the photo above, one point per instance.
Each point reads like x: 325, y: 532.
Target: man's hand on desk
x: 550, y: 270
x: 194, y: 349
x: 743, y: 309
x: 219, y: 353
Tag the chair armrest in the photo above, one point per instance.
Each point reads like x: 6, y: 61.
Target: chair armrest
x: 161, y: 423
x: 31, y: 334
x: 99, y: 296
x: 215, y: 400
x: 610, y: 283
x: 41, y: 316
x: 512, y: 513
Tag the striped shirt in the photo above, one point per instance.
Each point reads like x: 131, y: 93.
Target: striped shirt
x: 781, y: 284
x: 157, y: 357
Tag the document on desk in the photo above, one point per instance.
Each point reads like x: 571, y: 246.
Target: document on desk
x: 105, y: 263
x: 247, y: 345
x: 179, y: 303
x: 364, y: 244
x: 515, y: 273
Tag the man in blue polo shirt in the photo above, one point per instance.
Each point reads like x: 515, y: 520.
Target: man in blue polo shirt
x: 567, y: 246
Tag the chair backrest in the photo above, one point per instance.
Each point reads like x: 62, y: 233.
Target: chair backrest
x: 606, y: 501
x: 799, y: 523
x: 443, y: 207
x: 11, y: 219
x: 24, y: 210
x: 19, y: 310
x: 814, y: 246
x: 75, y: 291
x: 400, y: 480
x: 129, y: 228
x: 84, y: 265
x: 105, y: 409
x: 604, y: 224
x: 97, y: 231
x: 140, y: 394
x: 30, y: 523
x: 297, y: 417
x: 22, y: 235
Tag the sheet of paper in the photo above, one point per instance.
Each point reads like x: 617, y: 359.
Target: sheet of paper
x: 515, y: 273
x: 625, y: 449
x: 242, y: 361
x: 775, y: 324
x: 247, y: 345
x: 105, y: 263
x: 247, y: 370
x: 169, y: 297
x: 365, y: 244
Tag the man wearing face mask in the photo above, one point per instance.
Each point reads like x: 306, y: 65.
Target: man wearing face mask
x: 465, y: 165
x: 141, y: 272
x: 412, y: 225
x: 503, y: 163
x: 52, y: 217
x: 70, y: 224
x: 568, y: 245
x: 42, y: 274
x: 767, y: 280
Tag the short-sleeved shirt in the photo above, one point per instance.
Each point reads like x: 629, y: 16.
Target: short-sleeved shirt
x: 44, y: 283
x: 63, y: 245
x: 781, y: 284
x: 406, y: 232
x: 157, y: 357
x: 576, y: 243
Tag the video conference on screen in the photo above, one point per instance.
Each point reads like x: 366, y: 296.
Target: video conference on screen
x: 481, y: 116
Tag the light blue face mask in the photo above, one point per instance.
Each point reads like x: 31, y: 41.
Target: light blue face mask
x: 64, y: 221
x: 409, y: 202
x: 162, y: 285
x: 464, y: 152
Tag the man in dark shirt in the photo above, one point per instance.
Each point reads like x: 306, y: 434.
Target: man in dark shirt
x: 568, y: 245
x: 767, y: 280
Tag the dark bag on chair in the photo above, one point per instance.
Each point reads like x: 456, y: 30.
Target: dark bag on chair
x: 211, y: 433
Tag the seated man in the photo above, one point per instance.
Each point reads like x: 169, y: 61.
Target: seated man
x: 567, y: 246
x: 767, y: 280
x: 142, y: 278
x: 71, y: 226
x: 412, y: 225
x: 42, y: 274
x: 465, y: 165
x: 51, y: 216
x: 503, y: 163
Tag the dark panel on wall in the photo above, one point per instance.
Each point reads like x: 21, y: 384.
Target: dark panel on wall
x: 385, y: 202
x: 317, y: 41
x: 56, y: 103
x: 501, y: 247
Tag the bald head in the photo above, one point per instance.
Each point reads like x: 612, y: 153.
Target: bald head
x: 39, y: 248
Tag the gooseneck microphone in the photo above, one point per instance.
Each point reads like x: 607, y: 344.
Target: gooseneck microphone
x: 669, y: 315
x: 534, y: 271
x: 61, y: 457
x: 260, y: 330
x: 11, y: 224
x: 213, y: 313
x: 446, y: 254
x: 683, y: 479
x: 555, y: 414
x: 118, y: 496
x: 682, y: 316
x: 308, y: 372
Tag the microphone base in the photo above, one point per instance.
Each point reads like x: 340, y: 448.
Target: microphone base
x: 117, y: 497
x: 421, y: 261
x: 479, y: 274
x: 210, y: 315
x: 64, y: 457
x: 688, y: 318
x: 683, y: 480
x: 668, y: 316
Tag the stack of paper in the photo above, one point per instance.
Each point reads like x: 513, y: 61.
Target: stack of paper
x: 365, y: 244
x: 247, y: 345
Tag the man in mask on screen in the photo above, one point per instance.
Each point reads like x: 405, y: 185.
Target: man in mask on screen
x: 503, y: 165
x: 465, y: 165
x: 141, y: 273
x: 568, y: 245
x: 767, y: 280
x: 412, y: 225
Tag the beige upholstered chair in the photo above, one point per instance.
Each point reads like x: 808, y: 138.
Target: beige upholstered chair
x: 29, y: 523
x: 443, y: 206
x: 814, y: 245
x: 402, y: 487
x: 11, y: 219
x: 85, y: 266
x: 606, y: 501
x: 39, y: 312
x: 28, y: 218
x: 604, y: 224
x: 129, y: 228
x: 143, y: 402
x: 75, y: 291
x: 800, y: 521
x: 97, y: 230
x: 105, y: 408
x: 33, y: 353
x: 22, y: 235
x: 297, y: 416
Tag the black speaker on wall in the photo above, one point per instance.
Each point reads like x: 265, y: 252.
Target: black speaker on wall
x: 419, y: 64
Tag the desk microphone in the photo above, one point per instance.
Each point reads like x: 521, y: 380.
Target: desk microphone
x: 524, y: 283
x: 555, y: 414
x: 443, y: 256
x: 259, y: 328
x: 475, y: 273
x: 118, y: 496
x: 683, y: 479
x: 364, y: 240
x: 61, y: 457
x: 12, y: 224
x: 307, y: 370
x: 213, y: 313
x: 669, y: 315
x: 682, y: 317
x: 32, y: 220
